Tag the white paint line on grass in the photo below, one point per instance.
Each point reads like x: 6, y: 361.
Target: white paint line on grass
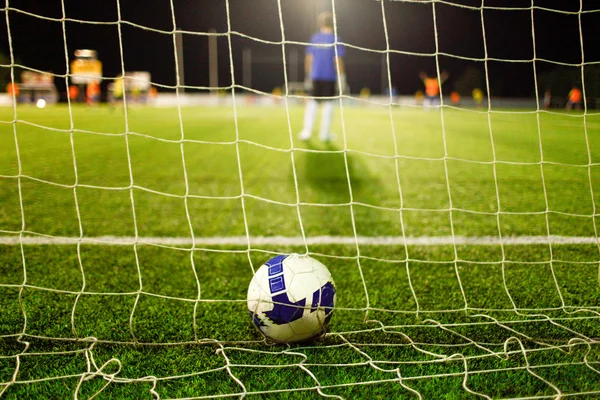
x: 298, y: 240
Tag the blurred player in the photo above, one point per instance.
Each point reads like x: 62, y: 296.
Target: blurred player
x: 277, y: 92
x: 73, y: 93
x: 321, y: 67
x: 365, y: 93
x: 152, y: 94
x: 547, y: 99
x: 419, y: 97
x: 92, y: 93
x: 393, y: 93
x: 477, y: 96
x: 12, y: 89
x: 455, y: 98
x: 574, y: 99
x: 118, y: 89
x: 432, y: 88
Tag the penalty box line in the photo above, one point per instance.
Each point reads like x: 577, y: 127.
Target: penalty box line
x: 299, y: 241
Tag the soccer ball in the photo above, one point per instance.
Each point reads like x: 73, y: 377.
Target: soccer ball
x: 291, y: 298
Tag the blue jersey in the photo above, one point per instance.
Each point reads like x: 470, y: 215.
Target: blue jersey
x: 323, y: 66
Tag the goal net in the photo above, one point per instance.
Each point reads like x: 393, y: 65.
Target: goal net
x: 455, y: 206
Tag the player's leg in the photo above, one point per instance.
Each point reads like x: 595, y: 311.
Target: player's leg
x: 427, y: 102
x: 326, y: 118
x: 310, y: 112
x: 327, y: 114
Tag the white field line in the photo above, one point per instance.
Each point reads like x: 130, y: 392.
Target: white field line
x: 298, y: 240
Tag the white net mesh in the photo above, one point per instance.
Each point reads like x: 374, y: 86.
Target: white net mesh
x: 130, y: 233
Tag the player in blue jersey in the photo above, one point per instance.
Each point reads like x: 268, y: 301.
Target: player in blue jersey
x: 322, y: 63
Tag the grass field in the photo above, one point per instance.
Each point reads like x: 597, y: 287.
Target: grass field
x: 170, y: 321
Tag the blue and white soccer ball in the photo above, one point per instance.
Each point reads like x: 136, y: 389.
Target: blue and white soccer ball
x: 291, y: 298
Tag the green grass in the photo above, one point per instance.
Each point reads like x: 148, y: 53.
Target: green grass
x: 172, y: 322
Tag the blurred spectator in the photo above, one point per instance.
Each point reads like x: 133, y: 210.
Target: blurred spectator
x: 574, y: 99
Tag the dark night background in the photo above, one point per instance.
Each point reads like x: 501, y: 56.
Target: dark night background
x: 38, y: 43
